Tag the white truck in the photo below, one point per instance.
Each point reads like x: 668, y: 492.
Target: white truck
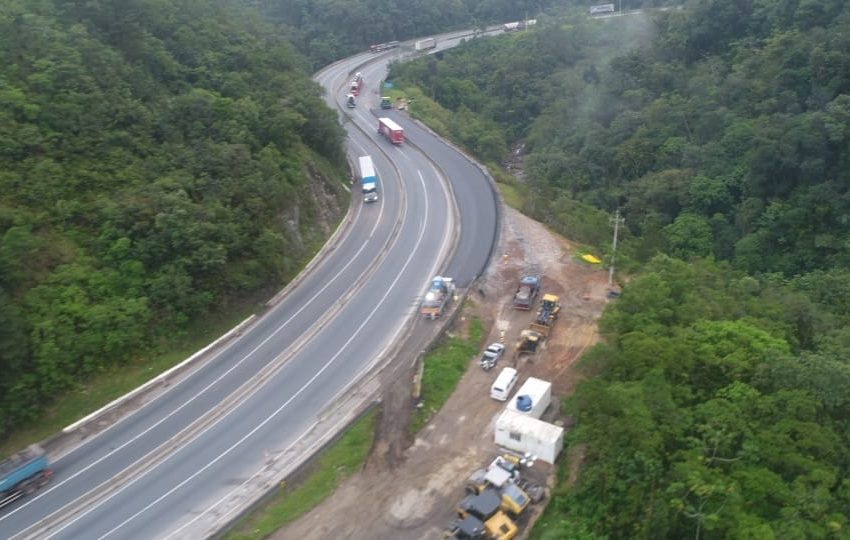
x: 533, y: 397
x: 368, y: 179
x: 425, y: 44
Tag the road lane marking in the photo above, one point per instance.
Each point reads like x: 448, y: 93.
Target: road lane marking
x: 99, y: 503
x: 315, y: 376
x: 197, y: 395
x: 365, y: 370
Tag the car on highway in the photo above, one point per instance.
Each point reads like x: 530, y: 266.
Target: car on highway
x: 491, y: 355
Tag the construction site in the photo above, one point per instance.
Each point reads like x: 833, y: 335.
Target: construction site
x: 482, y: 468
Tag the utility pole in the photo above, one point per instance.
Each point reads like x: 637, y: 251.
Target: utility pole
x: 617, y: 222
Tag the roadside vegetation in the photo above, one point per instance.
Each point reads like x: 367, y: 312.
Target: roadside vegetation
x: 103, y: 387
x: 716, y: 408
x: 716, y: 405
x: 443, y: 368
x: 331, y: 467
x: 153, y: 178
x: 332, y: 29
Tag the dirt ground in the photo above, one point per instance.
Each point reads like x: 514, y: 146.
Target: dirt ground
x: 409, y: 489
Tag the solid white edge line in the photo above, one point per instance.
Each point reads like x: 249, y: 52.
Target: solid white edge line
x: 279, y: 409
x: 184, y: 404
x: 365, y: 370
x: 129, y: 395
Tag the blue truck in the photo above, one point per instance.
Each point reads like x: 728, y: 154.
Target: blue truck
x: 23, y: 474
x: 368, y: 179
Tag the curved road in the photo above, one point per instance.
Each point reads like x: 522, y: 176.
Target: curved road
x: 166, y: 469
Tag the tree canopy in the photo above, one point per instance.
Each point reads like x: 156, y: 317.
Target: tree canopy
x: 326, y: 30
x: 718, y: 130
x: 157, y: 161
x: 710, y: 413
x: 715, y: 406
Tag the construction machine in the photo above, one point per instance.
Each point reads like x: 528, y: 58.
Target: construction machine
x: 482, y: 505
x: 469, y: 527
x: 514, y: 500
x: 497, y: 474
x: 548, y: 313
x: 528, y: 341
x: 477, y: 482
x: 501, y: 527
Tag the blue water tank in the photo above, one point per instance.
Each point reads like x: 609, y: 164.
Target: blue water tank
x: 523, y: 403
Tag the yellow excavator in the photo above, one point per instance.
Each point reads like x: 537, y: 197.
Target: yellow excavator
x: 528, y: 342
x: 548, y: 313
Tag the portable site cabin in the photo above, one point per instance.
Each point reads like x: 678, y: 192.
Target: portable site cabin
x: 524, y: 434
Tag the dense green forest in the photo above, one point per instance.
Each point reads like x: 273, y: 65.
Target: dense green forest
x: 159, y: 160
x: 326, y: 30
x: 716, y: 407
x: 722, y: 133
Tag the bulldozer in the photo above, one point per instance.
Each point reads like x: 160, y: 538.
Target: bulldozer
x: 501, y: 527
x: 468, y: 528
x: 548, y: 313
x: 483, y: 505
x: 528, y: 342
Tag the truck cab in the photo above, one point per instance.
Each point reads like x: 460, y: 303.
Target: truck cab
x: 526, y: 291
x: 438, y: 297
x: 370, y: 192
x: 368, y: 179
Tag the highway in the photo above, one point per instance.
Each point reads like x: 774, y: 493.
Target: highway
x: 169, y: 469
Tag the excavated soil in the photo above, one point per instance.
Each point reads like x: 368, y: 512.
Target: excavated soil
x: 409, y: 489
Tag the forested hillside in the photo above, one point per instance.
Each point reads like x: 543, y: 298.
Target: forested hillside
x: 716, y: 407
x: 158, y: 159
x: 724, y: 133
x: 326, y: 30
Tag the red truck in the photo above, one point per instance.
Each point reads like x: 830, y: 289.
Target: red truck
x: 392, y: 131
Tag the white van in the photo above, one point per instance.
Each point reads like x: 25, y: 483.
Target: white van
x: 503, y: 384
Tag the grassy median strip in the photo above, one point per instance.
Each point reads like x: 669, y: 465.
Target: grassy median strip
x: 444, y: 366
x: 336, y: 463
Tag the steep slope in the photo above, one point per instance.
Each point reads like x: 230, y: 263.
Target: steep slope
x: 157, y: 161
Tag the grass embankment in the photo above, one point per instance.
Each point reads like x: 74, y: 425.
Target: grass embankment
x: 444, y: 366
x: 440, y: 120
x: 335, y: 464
